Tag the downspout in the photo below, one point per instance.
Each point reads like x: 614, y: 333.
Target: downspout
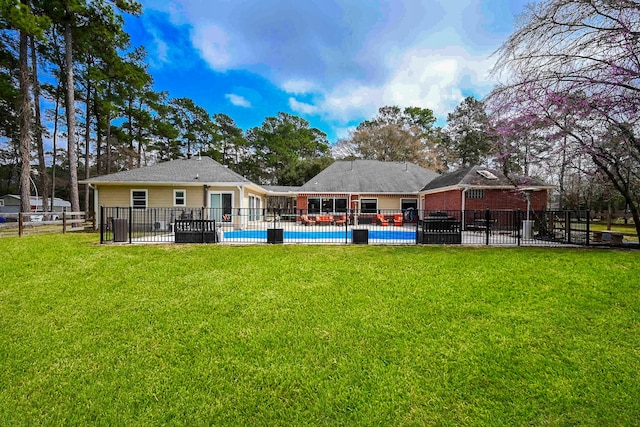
x: 205, y: 191
x: 95, y: 206
x: 464, y: 205
x: 242, y: 217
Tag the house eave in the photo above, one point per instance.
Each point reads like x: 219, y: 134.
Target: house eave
x: 488, y: 187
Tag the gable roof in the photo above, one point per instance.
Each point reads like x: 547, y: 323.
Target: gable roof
x: 369, y: 176
x: 181, y: 171
x: 477, y: 177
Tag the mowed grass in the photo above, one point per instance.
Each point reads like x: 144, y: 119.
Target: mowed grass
x: 316, y: 335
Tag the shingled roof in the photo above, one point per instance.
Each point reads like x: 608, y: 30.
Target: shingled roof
x: 482, y: 177
x: 369, y: 176
x: 181, y: 171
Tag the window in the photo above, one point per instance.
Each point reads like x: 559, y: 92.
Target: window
x: 139, y: 199
x: 369, y: 205
x: 1, y: 203
x: 475, y: 194
x: 341, y: 205
x: 179, y: 198
x: 254, y: 207
x: 326, y: 205
x: 408, y: 203
x: 313, y: 206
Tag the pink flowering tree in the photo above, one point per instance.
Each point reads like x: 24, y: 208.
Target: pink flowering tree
x: 570, y: 80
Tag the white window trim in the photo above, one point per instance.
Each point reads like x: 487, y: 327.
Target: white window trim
x: 233, y: 206
x: 146, y: 198
x: 408, y: 198
x: 370, y: 198
x: 255, y: 211
x: 184, y: 197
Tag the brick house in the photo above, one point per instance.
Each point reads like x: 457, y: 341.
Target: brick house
x: 480, y: 188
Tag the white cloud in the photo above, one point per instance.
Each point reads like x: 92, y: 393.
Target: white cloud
x: 302, y: 107
x: 238, y: 100
x: 161, y: 48
x: 212, y: 42
x: 426, y: 79
x: 299, y: 86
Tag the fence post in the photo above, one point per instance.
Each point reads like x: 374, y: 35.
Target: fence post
x: 101, y: 224
x: 567, y: 226
x: 202, y: 223
x: 20, y: 224
x: 588, y: 225
x: 487, y: 223
x: 346, y: 228
x: 64, y: 220
x: 130, y: 222
x: 517, y: 225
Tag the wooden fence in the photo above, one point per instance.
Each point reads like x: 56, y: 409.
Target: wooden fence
x: 26, y: 223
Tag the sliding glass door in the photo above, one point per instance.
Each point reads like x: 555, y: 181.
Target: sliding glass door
x: 221, y: 205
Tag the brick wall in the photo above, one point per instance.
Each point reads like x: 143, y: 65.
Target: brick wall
x: 493, y: 199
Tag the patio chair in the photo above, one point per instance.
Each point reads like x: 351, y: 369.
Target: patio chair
x: 341, y: 220
x: 324, y: 220
x: 380, y: 220
x: 397, y: 220
x: 305, y: 220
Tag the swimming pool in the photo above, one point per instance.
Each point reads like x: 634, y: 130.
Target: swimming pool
x: 293, y: 236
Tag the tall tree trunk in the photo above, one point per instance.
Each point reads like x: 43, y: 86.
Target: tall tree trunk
x: 563, y: 169
x: 130, y: 118
x: 55, y: 147
x: 108, y: 136
x: 139, y: 135
x: 96, y: 113
x: 42, y: 166
x: 71, y: 118
x: 87, y: 144
x: 25, y: 126
x: 139, y: 159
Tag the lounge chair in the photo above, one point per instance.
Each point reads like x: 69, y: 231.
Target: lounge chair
x: 305, y: 220
x: 341, y: 220
x: 380, y: 220
x: 324, y: 219
x: 397, y: 220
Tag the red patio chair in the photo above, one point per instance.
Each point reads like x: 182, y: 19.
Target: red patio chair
x: 380, y: 219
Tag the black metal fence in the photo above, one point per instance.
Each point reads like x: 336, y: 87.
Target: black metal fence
x: 383, y: 227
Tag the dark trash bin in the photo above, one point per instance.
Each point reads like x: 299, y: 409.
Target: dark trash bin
x: 275, y: 235
x: 120, y: 229
x: 360, y: 237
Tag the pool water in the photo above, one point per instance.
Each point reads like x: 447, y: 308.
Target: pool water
x: 321, y: 235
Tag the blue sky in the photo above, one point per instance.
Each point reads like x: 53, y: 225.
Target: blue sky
x: 332, y: 62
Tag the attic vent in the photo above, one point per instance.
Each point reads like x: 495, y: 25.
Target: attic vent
x: 485, y: 173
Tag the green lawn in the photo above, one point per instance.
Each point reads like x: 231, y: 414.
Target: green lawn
x: 629, y: 230
x: 316, y: 335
